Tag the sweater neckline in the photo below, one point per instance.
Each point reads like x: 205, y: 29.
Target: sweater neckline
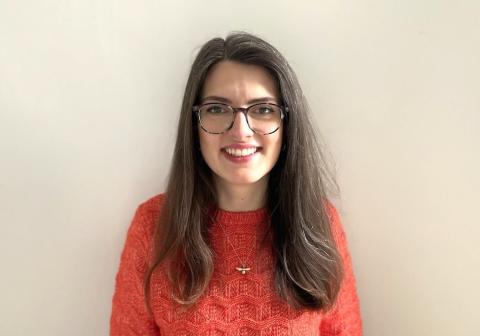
x: 243, y: 218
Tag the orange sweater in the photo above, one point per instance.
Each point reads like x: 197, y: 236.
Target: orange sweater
x: 234, y: 303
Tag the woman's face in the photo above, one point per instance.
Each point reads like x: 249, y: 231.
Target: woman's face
x: 238, y: 84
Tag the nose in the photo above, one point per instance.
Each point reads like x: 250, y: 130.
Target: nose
x: 240, y: 128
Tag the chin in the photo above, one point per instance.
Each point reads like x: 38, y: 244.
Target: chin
x: 241, y: 180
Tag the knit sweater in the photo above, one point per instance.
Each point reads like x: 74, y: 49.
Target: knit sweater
x: 233, y: 303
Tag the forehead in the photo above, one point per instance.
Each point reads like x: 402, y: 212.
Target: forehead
x: 239, y: 82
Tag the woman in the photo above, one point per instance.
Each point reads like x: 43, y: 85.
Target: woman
x: 244, y: 241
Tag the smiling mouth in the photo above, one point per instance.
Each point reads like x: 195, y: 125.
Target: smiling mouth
x: 242, y: 152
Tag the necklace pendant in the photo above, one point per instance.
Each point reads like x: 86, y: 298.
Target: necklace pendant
x: 243, y: 270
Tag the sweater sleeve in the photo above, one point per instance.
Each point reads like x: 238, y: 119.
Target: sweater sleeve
x: 129, y: 313
x: 344, y: 318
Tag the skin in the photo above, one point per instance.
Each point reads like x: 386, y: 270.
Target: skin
x: 240, y: 186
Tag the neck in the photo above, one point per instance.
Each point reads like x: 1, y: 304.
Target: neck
x: 242, y: 197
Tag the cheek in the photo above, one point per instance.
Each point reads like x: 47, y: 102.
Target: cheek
x: 277, y: 146
x: 209, y: 146
x: 278, y: 140
x: 274, y: 145
x: 203, y: 144
x: 201, y: 138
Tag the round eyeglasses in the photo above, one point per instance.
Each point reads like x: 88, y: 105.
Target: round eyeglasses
x: 262, y: 118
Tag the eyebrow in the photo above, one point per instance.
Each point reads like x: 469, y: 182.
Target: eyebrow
x: 226, y: 100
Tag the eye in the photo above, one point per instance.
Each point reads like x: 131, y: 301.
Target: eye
x: 215, y: 109
x: 263, y: 109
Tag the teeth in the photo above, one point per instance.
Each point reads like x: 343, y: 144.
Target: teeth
x: 241, y: 152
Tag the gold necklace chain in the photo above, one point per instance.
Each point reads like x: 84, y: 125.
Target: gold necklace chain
x: 243, y: 268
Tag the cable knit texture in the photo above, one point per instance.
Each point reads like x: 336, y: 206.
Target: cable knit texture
x: 234, y: 303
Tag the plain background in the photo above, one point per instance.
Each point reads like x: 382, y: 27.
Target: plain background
x: 89, y: 98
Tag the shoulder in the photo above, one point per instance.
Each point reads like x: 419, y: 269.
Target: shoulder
x: 335, y: 221
x: 152, y: 206
x: 331, y: 211
x: 148, y: 213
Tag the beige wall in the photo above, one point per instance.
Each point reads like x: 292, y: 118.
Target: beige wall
x: 89, y: 96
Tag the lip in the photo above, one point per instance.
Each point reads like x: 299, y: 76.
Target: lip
x: 239, y: 145
x: 241, y: 159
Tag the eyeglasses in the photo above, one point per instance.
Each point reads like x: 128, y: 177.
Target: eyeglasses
x: 262, y: 118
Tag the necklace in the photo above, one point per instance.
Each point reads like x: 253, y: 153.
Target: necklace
x: 243, y: 268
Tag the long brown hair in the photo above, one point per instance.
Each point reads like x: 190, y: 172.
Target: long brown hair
x: 308, y: 268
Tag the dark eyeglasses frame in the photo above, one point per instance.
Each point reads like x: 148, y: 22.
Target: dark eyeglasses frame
x: 244, y: 110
